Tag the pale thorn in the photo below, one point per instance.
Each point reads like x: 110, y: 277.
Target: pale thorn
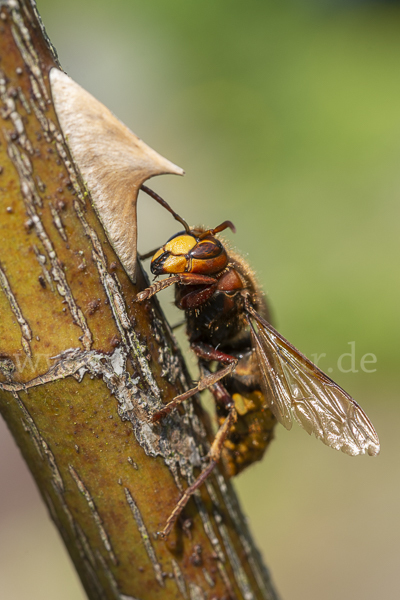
x: 112, y: 161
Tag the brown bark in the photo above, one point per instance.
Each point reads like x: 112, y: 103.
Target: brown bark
x: 82, y: 368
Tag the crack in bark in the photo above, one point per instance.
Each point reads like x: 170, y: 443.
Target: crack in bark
x: 145, y: 537
x: 259, y: 570
x: 111, y: 579
x: 82, y: 544
x: 208, y: 578
x: 108, y: 574
x: 238, y: 572
x: 95, y: 514
x: 87, y: 550
x: 208, y: 527
x: 41, y: 445
x: 179, y: 578
x: 58, y: 223
x: 22, y: 322
x: 226, y: 580
x: 29, y: 55
x: 41, y: 258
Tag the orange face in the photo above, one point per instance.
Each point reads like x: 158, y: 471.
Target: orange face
x: 187, y: 253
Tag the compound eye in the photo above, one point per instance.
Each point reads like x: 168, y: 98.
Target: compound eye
x: 206, y: 249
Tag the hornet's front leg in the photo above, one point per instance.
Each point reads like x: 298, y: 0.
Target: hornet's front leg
x: 182, y: 278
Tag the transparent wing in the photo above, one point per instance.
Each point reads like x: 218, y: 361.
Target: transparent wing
x: 295, y: 386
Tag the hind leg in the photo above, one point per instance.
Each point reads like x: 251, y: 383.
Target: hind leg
x: 223, y: 398
x: 213, y: 456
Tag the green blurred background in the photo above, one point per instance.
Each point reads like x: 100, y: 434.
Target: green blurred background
x: 286, y: 118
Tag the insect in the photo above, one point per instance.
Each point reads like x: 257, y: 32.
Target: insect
x: 260, y: 377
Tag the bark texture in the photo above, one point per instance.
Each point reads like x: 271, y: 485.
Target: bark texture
x: 82, y: 368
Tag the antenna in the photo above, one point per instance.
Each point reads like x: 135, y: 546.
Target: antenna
x: 218, y: 229
x: 165, y: 204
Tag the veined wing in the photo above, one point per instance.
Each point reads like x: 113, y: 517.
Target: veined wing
x: 295, y: 386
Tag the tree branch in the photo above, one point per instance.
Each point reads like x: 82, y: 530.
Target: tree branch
x: 83, y: 367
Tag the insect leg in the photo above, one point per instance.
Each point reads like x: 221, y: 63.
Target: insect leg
x: 156, y: 287
x: 224, y: 400
x: 209, y: 353
x: 214, y: 456
x: 183, y: 278
x: 203, y: 384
